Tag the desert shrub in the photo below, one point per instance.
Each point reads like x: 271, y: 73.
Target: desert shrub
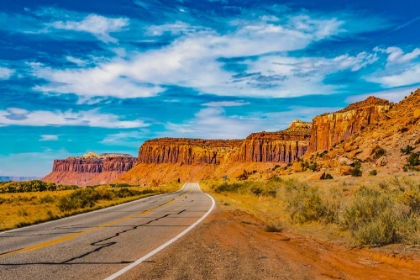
x: 273, y: 228
x: 275, y: 167
x: 407, y: 150
x: 46, y: 199
x: 225, y: 187
x: 328, y: 176
x: 356, y: 172
x: 313, y: 166
x: 370, y: 217
x: 413, y: 159
x: 373, y: 172
x: 22, y: 212
x: 305, y: 205
x: 379, y: 153
x: 321, y: 155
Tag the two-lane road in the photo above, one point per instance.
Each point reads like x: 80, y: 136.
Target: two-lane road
x: 104, y: 243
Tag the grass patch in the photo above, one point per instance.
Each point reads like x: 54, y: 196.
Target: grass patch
x: 22, y: 209
x: 385, y: 212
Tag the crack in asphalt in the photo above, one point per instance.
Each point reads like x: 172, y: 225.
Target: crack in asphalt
x: 96, y: 243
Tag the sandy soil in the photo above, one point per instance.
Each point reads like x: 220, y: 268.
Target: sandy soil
x: 234, y: 245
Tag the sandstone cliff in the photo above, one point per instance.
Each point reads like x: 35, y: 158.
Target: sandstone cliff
x: 329, y: 129
x: 378, y: 145
x: 281, y: 147
x: 90, y: 169
x: 186, y: 151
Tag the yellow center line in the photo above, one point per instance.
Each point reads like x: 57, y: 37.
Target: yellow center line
x: 74, y: 235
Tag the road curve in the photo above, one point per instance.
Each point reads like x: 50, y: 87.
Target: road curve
x: 105, y: 243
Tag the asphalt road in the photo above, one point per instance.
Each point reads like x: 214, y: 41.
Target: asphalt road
x: 105, y: 243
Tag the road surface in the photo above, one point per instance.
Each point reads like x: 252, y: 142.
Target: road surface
x: 105, y: 243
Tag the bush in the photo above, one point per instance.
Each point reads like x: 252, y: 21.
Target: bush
x: 373, y: 172
x: 407, y: 150
x: 370, y: 218
x: 379, y: 153
x: 413, y: 159
x: 356, y: 172
x: 306, y: 205
x: 328, y: 176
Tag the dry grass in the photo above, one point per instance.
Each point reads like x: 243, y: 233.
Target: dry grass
x: 362, y: 211
x: 21, y: 209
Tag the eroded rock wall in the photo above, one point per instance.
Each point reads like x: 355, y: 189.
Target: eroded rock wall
x: 329, y: 129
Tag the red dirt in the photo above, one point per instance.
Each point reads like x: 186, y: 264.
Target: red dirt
x: 234, y: 245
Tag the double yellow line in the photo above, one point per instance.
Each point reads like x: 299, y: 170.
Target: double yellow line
x: 74, y: 235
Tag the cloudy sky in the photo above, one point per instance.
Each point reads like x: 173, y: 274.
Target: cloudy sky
x: 104, y: 76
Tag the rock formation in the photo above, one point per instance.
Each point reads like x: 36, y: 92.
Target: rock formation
x: 90, y: 169
x: 329, y: 129
x: 186, y: 151
x: 281, y: 147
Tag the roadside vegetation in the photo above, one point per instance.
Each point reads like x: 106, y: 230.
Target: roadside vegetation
x: 385, y: 213
x: 31, y: 202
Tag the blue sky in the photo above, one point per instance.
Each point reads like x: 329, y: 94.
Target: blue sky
x: 77, y: 76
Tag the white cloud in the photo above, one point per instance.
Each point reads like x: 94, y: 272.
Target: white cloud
x: 226, y: 104
x: 106, y: 80
x: 214, y: 123
x: 397, y: 55
x: 97, y: 25
x: 176, y: 28
x: 125, y: 138
x: 47, y: 137
x: 194, y: 61
x: 77, y: 61
x: 408, y: 75
x: 5, y: 73
x: 17, y: 116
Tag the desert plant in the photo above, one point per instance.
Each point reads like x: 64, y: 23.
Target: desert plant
x: 328, y: 176
x: 407, y: 150
x: 373, y: 172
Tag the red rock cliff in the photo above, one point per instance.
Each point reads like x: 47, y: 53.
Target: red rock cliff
x: 186, y: 151
x: 90, y: 169
x: 282, y: 146
x: 332, y: 128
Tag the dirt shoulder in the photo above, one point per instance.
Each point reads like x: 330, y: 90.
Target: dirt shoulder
x: 234, y: 245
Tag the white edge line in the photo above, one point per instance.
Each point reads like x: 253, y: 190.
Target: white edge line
x: 142, y: 259
x: 87, y: 213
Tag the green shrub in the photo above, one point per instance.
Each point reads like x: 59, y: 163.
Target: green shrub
x: 328, y: 176
x: 46, y: 199
x: 407, y: 150
x: 370, y: 217
x: 306, y: 205
x: 379, y: 153
x: 373, y: 172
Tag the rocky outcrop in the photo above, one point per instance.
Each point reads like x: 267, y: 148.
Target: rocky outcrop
x: 90, y: 169
x: 329, y: 129
x: 281, y: 147
x: 186, y: 151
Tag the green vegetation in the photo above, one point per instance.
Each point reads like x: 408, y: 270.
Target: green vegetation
x: 31, y: 202
x: 32, y: 186
x: 407, y: 150
x: 328, y: 177
x: 413, y: 161
x: 376, y: 215
x: 373, y: 172
x: 356, y: 172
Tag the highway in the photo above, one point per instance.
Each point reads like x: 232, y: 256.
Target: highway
x: 103, y: 244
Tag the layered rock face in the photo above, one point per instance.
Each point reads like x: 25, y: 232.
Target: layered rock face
x: 329, y: 129
x: 282, y: 146
x: 90, y: 169
x: 186, y: 151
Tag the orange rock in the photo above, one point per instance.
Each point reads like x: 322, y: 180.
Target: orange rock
x: 297, y: 167
x: 345, y: 170
x: 317, y: 176
x: 329, y: 129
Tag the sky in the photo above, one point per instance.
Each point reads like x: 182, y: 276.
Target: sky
x: 104, y: 76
